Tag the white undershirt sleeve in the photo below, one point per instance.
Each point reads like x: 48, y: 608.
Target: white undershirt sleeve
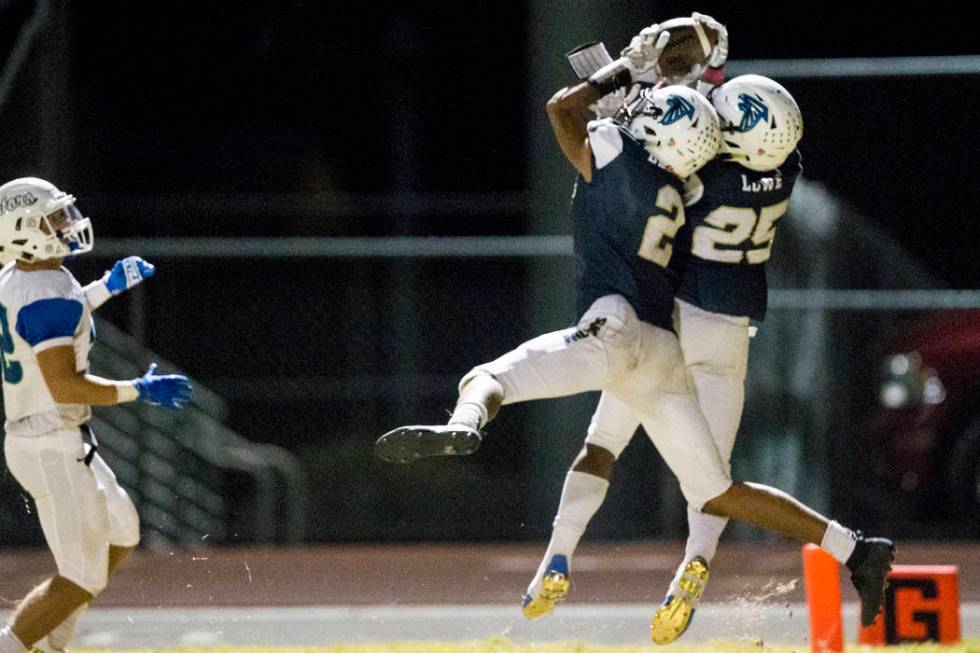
x: 96, y: 294
x: 606, y: 142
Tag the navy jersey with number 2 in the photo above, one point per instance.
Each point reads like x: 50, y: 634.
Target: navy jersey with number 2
x: 625, y: 221
x: 732, y: 213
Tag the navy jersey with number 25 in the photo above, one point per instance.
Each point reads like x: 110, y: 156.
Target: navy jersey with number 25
x: 732, y: 214
x: 625, y: 220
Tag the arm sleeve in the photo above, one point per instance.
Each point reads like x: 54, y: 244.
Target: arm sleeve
x: 96, y: 294
x: 49, y: 322
x: 606, y: 142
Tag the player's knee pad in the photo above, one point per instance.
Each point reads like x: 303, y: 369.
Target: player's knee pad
x: 93, y: 578
x: 98, y: 583
x: 710, y: 486
x: 594, y: 453
x: 475, y: 374
x: 612, y: 441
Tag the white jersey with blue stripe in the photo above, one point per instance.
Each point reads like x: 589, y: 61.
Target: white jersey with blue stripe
x: 39, y: 310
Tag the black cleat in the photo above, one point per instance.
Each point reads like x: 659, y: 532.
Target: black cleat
x: 409, y: 443
x: 869, y: 564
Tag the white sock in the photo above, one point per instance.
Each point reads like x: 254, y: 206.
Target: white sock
x: 44, y: 646
x: 839, y: 541
x: 704, y: 531
x: 9, y: 642
x: 57, y: 640
x: 581, y: 497
x: 470, y: 414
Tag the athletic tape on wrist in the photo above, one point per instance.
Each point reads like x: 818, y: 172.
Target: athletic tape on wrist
x: 126, y: 391
x: 97, y: 293
x: 611, y: 77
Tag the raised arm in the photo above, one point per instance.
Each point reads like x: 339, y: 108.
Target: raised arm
x: 568, y: 111
x: 588, y: 58
x: 125, y: 274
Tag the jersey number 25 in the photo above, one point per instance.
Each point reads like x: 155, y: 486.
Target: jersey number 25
x: 733, y: 227
x: 658, y: 235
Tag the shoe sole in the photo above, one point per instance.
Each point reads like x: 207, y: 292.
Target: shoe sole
x: 885, y: 559
x: 554, y: 587
x: 670, y: 621
x: 409, y: 443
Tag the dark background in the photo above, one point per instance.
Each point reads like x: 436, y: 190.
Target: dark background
x: 161, y: 116
x: 305, y: 96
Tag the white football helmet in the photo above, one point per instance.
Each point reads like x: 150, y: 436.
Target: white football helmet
x: 677, y: 126
x: 761, y: 123
x: 39, y: 222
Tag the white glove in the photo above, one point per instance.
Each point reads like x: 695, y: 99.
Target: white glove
x: 719, y: 54
x: 643, y: 53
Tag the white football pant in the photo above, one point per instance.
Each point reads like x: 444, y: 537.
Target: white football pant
x: 634, y: 362
x: 82, y: 508
x: 716, y: 353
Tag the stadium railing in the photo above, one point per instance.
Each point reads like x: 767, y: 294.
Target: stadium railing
x: 194, y: 480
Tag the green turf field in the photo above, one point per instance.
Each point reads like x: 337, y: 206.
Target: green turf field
x: 503, y: 646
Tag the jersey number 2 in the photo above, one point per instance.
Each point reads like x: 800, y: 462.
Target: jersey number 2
x: 733, y: 227
x: 658, y: 235
x: 12, y: 372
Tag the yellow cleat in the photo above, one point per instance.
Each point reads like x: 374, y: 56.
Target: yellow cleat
x: 674, y: 615
x: 554, y: 586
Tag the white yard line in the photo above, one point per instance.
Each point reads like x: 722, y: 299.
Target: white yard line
x: 298, y: 626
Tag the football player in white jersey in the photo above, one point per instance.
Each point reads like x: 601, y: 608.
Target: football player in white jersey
x: 46, y: 330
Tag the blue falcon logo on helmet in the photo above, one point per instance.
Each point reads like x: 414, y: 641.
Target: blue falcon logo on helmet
x: 677, y: 108
x: 753, y: 111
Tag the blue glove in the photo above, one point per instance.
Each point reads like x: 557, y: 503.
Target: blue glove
x: 171, y: 391
x: 127, y: 273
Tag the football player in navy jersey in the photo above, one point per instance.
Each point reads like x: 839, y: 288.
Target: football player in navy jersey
x: 627, y: 211
x: 733, y: 204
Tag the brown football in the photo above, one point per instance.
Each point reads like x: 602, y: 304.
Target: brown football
x: 684, y: 49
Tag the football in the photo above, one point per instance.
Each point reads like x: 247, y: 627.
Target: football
x: 684, y: 49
